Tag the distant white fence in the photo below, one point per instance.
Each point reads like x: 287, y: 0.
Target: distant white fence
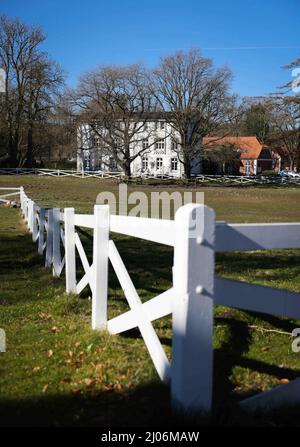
x: 191, y: 298
x: 6, y: 194
x: 201, y: 178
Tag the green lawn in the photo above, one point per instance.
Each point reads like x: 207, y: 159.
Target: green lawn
x: 56, y: 371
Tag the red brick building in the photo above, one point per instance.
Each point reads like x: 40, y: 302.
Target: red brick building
x: 254, y: 156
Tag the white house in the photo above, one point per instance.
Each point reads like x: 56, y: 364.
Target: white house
x: 156, y: 146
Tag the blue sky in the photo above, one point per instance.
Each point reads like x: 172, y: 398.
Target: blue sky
x: 254, y: 38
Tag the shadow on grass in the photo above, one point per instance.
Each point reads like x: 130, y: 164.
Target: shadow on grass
x: 15, y: 254
x: 280, y: 265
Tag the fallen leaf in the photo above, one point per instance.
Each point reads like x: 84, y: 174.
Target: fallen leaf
x: 36, y: 369
x: 70, y: 353
x: 77, y: 344
x: 284, y: 381
x: 50, y: 353
x: 265, y: 348
x: 88, y: 381
x: 54, y: 329
x: 63, y: 381
x: 45, y: 388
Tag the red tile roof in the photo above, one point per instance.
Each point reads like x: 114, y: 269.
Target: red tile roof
x: 250, y: 147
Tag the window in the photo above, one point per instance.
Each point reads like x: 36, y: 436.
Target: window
x: 159, y: 163
x: 144, y: 163
x: 145, y: 143
x: 174, y: 145
x: 96, y: 141
x: 162, y: 124
x: 174, y: 164
x: 112, y: 164
x: 160, y: 145
x: 87, y: 160
x: 247, y: 167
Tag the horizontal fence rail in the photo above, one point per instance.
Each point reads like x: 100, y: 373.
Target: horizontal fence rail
x: 6, y: 193
x: 201, y: 178
x: 190, y: 299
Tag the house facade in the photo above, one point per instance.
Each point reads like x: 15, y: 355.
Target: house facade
x: 155, y: 151
x: 254, y: 157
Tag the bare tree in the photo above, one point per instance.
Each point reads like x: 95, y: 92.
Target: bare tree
x: 116, y: 102
x: 196, y: 96
x: 257, y: 121
x: 31, y: 81
x: 285, y: 116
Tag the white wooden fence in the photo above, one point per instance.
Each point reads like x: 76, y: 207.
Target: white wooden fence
x: 7, y: 193
x: 192, y: 296
x: 201, y: 178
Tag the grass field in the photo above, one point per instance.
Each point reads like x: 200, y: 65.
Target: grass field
x: 56, y: 371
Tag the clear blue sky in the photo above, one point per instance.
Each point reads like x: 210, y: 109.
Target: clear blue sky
x: 255, y: 38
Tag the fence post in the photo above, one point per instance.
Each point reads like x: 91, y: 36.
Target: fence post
x: 30, y: 215
x: 100, y: 266
x: 26, y: 205
x: 56, y: 242
x: 49, y: 240
x: 34, y: 222
x: 41, y: 231
x: 22, y: 199
x: 70, y: 256
x: 193, y: 281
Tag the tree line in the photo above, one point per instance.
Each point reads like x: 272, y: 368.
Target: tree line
x: 40, y: 116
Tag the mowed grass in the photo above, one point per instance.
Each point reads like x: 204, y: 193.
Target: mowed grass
x: 57, y: 371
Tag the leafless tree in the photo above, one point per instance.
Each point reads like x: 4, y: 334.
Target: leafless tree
x: 31, y: 81
x: 285, y: 120
x: 116, y: 102
x: 196, y: 97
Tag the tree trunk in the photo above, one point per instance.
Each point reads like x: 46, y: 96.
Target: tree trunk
x: 127, y: 161
x: 186, y: 163
x: 127, y: 168
x: 13, y: 153
x: 29, y: 156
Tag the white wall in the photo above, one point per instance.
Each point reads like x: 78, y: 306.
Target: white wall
x: 153, y: 132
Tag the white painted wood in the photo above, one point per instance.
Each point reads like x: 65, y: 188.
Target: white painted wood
x: 156, y: 308
x: 193, y: 294
x: 35, y: 232
x: 30, y: 215
x: 70, y: 253
x: 149, y: 335
x: 232, y: 237
x: 155, y: 230
x: 287, y: 395
x: 84, y: 220
x: 49, y: 238
x: 11, y: 189
x: 88, y: 277
x: 100, y: 266
x: 11, y: 194
x: 257, y: 298
x: 42, y: 231
x: 56, y: 243
x: 193, y: 281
